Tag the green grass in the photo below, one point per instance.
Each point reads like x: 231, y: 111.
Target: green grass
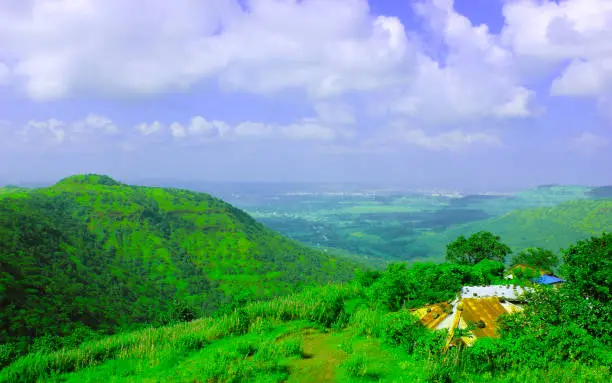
x: 288, y: 339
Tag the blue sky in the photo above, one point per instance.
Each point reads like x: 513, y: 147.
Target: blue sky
x: 479, y: 94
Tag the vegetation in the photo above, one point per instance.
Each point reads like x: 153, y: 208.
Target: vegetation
x: 343, y: 333
x: 588, y: 266
x: 101, y: 281
x: 477, y: 247
x: 416, y: 227
x: 90, y: 253
x: 537, y: 257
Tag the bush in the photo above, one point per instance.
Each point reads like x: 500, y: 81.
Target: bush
x: 405, y: 329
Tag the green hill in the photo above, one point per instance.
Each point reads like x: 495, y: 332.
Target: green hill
x: 552, y: 227
x: 92, y: 252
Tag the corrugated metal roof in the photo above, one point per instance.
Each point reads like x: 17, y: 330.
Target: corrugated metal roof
x: 431, y: 316
x: 484, y: 311
x: 548, y: 280
x: 510, y: 292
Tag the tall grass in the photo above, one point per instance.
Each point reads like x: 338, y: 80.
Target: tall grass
x: 322, y: 306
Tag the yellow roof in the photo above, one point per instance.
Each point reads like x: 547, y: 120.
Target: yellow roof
x: 431, y: 316
x: 483, y: 310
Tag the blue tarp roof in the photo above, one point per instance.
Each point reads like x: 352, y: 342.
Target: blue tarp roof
x: 547, y: 280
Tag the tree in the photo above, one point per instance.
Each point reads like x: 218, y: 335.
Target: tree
x: 479, y: 246
x: 588, y: 267
x: 537, y: 257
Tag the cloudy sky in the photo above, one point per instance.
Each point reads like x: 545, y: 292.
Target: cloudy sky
x: 464, y: 93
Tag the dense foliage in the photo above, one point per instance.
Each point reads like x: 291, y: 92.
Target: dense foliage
x: 90, y: 252
x: 426, y: 283
x: 537, y: 257
x: 343, y: 333
x: 588, y: 266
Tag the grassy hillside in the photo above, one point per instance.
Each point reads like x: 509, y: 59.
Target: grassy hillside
x: 90, y: 252
x: 548, y: 227
x: 349, y: 333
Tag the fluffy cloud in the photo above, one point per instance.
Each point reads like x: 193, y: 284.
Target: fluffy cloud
x: 590, y: 142
x: 96, y: 123
x: 474, y: 79
x: 49, y: 131
x: 325, y: 47
x: 201, y: 128
x: 147, y: 129
x: 63, y: 47
x: 578, y: 32
x: 336, y: 51
x: 54, y: 132
x: 451, y: 140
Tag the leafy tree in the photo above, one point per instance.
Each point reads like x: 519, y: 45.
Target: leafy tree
x: 588, y: 267
x: 479, y: 246
x: 537, y: 257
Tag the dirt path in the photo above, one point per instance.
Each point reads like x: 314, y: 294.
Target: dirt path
x: 322, y: 356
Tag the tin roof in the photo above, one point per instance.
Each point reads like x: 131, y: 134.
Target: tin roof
x: 509, y: 292
x: 484, y: 311
x: 431, y: 316
x: 548, y: 280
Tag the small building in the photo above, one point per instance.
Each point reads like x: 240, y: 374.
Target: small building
x: 504, y: 292
x: 475, y: 305
x: 548, y: 280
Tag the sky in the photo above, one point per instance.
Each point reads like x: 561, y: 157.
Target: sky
x: 427, y: 93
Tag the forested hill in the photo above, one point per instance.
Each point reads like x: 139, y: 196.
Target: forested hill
x: 552, y: 227
x: 92, y: 251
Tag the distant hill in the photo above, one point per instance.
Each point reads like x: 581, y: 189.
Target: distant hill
x: 552, y: 227
x: 93, y: 251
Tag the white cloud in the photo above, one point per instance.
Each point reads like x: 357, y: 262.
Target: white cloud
x: 177, y: 130
x: 336, y: 51
x: 325, y: 47
x: 51, y: 130
x: 450, y: 140
x: 147, y: 129
x: 590, y: 142
x: 62, y: 47
x: 585, y: 78
x: 199, y: 126
x: 578, y: 32
x: 54, y: 131
x: 474, y: 79
x: 95, y: 122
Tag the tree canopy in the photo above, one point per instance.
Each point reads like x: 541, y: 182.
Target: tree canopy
x: 477, y: 247
x: 588, y: 267
x: 537, y: 257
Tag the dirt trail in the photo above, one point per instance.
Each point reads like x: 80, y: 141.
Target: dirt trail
x: 322, y: 356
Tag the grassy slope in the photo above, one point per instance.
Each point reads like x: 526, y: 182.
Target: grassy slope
x: 94, y: 251
x: 548, y: 227
x: 293, y: 339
